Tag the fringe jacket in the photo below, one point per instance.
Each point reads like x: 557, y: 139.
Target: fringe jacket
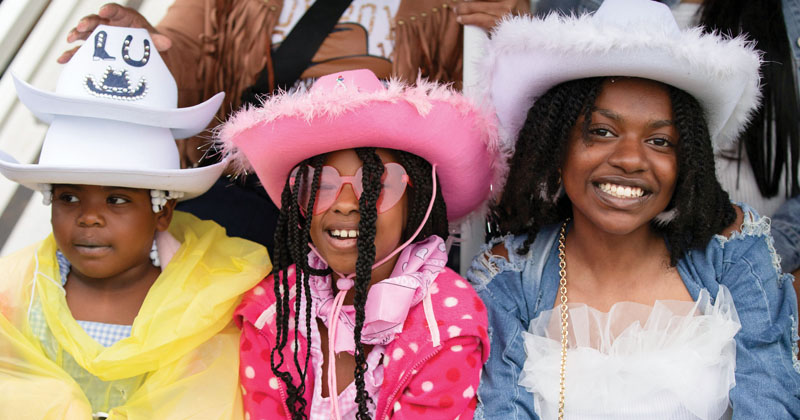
x: 220, y: 45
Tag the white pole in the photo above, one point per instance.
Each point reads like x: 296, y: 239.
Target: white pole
x: 473, y: 228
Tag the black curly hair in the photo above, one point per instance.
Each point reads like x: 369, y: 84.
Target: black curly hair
x: 292, y: 237
x: 703, y: 207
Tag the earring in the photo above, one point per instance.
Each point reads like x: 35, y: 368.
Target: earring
x: 666, y: 217
x: 554, y: 198
x: 154, y: 255
x: 560, y: 193
x: 47, y: 193
x: 158, y: 198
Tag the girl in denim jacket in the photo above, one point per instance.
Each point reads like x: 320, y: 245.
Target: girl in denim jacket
x: 626, y: 284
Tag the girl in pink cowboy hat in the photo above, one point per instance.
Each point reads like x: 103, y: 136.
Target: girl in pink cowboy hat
x: 360, y: 304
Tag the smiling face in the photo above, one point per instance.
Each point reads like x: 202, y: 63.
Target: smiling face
x: 105, y: 231
x: 334, y: 232
x: 624, y: 174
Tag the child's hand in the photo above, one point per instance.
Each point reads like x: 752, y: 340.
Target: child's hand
x: 486, y: 14
x: 115, y: 15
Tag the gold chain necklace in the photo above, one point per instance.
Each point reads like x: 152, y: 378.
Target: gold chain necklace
x: 562, y: 265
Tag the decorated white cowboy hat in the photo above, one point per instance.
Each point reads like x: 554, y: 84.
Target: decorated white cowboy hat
x: 354, y: 109
x: 114, y: 120
x: 527, y: 56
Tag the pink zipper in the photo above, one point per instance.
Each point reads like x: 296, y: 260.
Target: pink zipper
x: 405, y: 379
x: 281, y: 390
x: 283, y: 400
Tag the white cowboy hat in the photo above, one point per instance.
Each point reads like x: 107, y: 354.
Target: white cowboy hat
x: 637, y: 38
x: 114, y: 120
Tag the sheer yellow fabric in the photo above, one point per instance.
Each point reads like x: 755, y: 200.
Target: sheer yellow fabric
x: 183, y: 340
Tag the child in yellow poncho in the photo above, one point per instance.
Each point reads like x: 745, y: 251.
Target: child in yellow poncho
x: 124, y: 312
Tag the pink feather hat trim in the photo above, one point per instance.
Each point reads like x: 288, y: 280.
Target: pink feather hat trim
x: 353, y: 109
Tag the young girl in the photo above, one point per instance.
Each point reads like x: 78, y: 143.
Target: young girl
x: 360, y: 318
x: 627, y: 285
x: 124, y: 312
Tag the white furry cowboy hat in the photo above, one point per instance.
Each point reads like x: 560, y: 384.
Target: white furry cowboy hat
x: 637, y: 38
x: 114, y: 120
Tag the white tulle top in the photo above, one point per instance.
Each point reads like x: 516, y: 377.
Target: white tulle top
x: 674, y: 360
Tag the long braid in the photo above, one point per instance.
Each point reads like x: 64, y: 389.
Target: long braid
x: 284, y: 236
x: 282, y: 258
x: 419, y: 194
x: 317, y: 163
x: 303, y: 273
x: 292, y: 248
x: 296, y: 246
x: 371, y: 182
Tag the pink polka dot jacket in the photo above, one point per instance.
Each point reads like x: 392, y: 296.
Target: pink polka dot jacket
x: 420, y: 381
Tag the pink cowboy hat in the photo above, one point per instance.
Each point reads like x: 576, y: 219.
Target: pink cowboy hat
x: 353, y: 109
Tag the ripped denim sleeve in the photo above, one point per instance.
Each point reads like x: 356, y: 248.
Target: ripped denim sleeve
x: 758, y: 227
x: 498, y: 282
x: 486, y: 265
x: 767, y: 375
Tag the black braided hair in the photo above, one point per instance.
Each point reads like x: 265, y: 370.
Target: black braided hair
x: 291, y: 249
x: 419, y: 195
x: 772, y: 139
x: 292, y: 236
x: 527, y: 204
x: 368, y: 209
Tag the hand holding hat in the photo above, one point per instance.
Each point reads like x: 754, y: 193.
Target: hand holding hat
x: 113, y: 14
x: 486, y: 14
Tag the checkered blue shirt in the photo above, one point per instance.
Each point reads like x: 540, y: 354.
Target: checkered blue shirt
x: 105, y: 334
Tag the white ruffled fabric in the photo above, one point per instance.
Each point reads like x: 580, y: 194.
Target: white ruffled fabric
x: 674, y: 360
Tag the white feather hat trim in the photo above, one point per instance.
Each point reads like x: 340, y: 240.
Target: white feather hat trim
x: 637, y: 38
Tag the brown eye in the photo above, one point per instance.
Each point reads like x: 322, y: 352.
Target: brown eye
x: 117, y: 200
x: 68, y: 198
x: 660, y: 142
x: 601, y: 132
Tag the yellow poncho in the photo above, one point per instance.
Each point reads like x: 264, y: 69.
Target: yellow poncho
x: 183, y: 350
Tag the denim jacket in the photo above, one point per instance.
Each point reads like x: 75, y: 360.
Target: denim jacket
x: 786, y: 231
x: 517, y: 290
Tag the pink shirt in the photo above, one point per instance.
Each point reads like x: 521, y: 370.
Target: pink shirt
x: 373, y: 379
